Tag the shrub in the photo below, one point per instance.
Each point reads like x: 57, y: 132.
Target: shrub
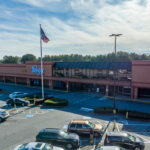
x: 123, y: 111
x: 56, y: 102
x: 139, y: 115
x: 104, y: 109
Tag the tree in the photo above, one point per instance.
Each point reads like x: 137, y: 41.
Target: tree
x: 28, y: 57
x: 10, y: 59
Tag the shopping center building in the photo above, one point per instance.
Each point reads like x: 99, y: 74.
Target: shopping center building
x: 132, y: 78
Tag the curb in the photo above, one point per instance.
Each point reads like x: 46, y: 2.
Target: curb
x: 128, y: 99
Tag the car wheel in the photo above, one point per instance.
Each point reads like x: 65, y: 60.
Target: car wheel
x: 16, y: 97
x: 69, y: 146
x: 137, y: 148
x: 22, y: 104
x: 96, y: 134
x: 9, y: 104
x: 0, y: 119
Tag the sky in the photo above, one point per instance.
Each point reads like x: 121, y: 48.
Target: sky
x: 74, y: 26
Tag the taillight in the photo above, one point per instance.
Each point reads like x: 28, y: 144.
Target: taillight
x: 68, y: 129
x: 3, y: 114
x: 107, y: 140
x: 36, y: 137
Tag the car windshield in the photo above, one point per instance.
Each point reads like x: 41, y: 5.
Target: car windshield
x: 64, y: 134
x: 131, y: 137
x: 91, y: 125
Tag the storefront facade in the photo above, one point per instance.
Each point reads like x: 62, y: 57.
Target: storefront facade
x: 132, y: 78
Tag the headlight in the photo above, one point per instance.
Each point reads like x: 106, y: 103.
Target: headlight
x: 75, y: 140
x: 141, y: 143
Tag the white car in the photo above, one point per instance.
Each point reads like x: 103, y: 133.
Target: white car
x: 17, y: 94
x: 3, y: 114
x: 37, y: 146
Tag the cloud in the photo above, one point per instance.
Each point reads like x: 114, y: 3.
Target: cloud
x: 81, y: 27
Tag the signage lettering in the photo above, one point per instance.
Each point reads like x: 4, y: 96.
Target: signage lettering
x: 36, y: 70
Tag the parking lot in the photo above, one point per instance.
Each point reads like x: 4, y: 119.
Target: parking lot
x: 25, y: 122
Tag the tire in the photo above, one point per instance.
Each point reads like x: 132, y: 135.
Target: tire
x: 96, y: 134
x: 69, y: 146
x: 9, y: 104
x: 137, y: 148
x: 22, y: 104
x: 0, y: 119
x: 16, y: 97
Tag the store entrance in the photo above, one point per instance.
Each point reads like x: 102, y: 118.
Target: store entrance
x: 35, y: 82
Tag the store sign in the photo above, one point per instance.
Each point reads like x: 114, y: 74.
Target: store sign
x: 23, y: 70
x: 36, y: 70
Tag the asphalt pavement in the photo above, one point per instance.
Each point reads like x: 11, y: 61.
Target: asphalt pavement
x: 25, y: 122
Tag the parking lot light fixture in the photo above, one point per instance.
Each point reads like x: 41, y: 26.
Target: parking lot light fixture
x: 116, y: 35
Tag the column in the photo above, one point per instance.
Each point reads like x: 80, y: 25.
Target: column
x: 67, y: 86
x: 132, y: 92
x: 15, y: 80
x: 4, y: 79
x: 135, y: 93
x: 51, y: 84
x: 107, y: 90
x: 28, y: 82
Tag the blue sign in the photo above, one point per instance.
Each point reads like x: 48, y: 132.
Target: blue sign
x: 29, y: 115
x: 36, y: 70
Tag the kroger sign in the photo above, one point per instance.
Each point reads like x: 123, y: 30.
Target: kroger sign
x: 36, y: 70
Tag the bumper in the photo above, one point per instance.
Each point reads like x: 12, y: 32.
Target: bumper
x: 76, y: 144
x: 5, y: 117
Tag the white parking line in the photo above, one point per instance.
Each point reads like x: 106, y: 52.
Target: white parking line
x: 142, y: 138
x: 84, y: 100
x: 117, y: 127
x: 86, y: 117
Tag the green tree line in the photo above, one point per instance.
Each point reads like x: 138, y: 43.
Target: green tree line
x: 120, y: 56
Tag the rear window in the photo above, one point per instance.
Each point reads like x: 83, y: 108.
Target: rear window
x: 73, y: 125
x: 4, y: 112
x: 79, y: 126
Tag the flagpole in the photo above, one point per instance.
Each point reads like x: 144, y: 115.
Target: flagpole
x: 41, y: 64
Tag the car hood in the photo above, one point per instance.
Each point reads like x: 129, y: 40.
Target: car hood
x: 73, y: 136
x: 139, y: 139
x: 98, y: 126
x: 57, y: 148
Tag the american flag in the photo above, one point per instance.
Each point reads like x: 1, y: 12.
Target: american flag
x: 44, y: 37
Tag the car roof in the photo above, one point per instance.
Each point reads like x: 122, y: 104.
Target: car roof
x: 117, y: 134
x: 109, y: 148
x: 80, y: 121
x: 35, y: 145
x: 52, y: 130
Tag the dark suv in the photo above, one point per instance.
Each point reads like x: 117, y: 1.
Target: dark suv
x: 58, y: 137
x: 124, y: 140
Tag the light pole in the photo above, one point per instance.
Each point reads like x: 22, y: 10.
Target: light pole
x: 114, y: 111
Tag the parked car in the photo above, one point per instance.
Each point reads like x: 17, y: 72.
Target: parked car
x: 110, y: 148
x: 17, y: 94
x: 124, y: 140
x: 37, y: 146
x: 83, y: 127
x: 17, y: 101
x: 3, y: 114
x: 58, y: 137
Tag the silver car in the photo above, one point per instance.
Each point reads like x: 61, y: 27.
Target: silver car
x: 110, y: 148
x: 37, y: 146
x: 17, y: 95
x: 3, y: 114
